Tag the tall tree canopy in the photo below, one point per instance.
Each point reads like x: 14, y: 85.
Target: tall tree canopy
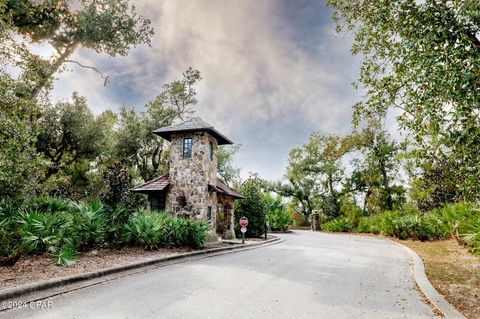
x: 226, y: 169
x: 375, y: 171
x: 136, y: 143
x: 314, y: 174
x: 69, y: 133
x: 105, y: 26
x: 423, y: 58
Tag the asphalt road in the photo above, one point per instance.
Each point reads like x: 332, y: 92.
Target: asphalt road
x: 309, y: 275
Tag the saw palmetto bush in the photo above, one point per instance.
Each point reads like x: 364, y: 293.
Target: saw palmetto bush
x: 43, y: 232
x: 49, y: 205
x: 185, y: 232
x: 11, y: 246
x: 62, y: 228
x: 463, y: 222
x: 157, y: 229
x: 143, y: 229
x: 89, y: 225
x: 460, y: 221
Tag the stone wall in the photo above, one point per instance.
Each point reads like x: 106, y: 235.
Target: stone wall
x: 189, y: 177
x: 229, y: 216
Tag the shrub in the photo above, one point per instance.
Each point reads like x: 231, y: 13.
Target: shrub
x: 410, y: 226
x: 47, y: 205
x: 11, y: 246
x: 251, y: 207
x: 460, y: 221
x: 43, y: 232
x: 279, y: 219
x: 117, y: 219
x: 89, y: 225
x: 184, y: 232
x: 153, y: 230
x: 143, y: 229
x: 66, y: 256
x: 351, y: 211
x: 339, y: 224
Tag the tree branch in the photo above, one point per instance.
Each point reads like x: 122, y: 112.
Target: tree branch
x: 91, y: 68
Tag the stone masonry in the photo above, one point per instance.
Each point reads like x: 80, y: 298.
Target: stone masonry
x: 192, y: 189
x: 189, y: 177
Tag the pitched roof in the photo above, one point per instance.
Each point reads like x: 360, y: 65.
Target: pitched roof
x: 194, y: 124
x: 161, y: 183
x: 227, y: 190
x: 156, y: 184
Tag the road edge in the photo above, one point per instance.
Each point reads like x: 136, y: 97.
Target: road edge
x: 419, y: 276
x: 65, y: 281
x: 426, y: 287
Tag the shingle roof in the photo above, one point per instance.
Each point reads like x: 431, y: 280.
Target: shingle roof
x: 195, y: 124
x: 161, y: 183
x: 155, y: 185
x: 227, y: 190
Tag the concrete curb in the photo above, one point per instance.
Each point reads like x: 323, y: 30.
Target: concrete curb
x: 426, y: 287
x: 17, y: 292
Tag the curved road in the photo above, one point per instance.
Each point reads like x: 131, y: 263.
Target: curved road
x: 309, y: 275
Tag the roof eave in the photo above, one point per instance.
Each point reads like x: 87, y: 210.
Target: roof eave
x: 222, y: 140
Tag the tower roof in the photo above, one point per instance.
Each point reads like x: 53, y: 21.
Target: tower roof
x: 194, y: 124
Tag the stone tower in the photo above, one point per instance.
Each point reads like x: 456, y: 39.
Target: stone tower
x: 191, y: 188
x: 193, y: 167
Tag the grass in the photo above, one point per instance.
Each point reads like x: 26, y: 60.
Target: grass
x: 453, y: 271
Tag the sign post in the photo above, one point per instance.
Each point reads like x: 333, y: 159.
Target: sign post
x: 243, y: 229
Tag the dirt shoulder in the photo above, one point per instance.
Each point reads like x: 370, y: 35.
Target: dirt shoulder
x: 453, y: 271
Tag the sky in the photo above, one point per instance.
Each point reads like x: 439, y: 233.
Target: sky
x: 273, y: 71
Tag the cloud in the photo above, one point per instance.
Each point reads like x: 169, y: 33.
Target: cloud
x: 273, y: 71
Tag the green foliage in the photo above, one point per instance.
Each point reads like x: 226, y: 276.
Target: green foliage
x: 43, y: 232
x: 89, y: 225
x: 185, y: 232
x: 460, y: 221
x: 60, y: 228
x: 152, y: 230
x: 339, y: 224
x: 226, y: 170
x: 278, y: 218
x: 143, y: 229
x: 118, y: 181
x: 66, y: 256
x: 11, y: 247
x: 136, y: 144
x: 375, y: 172
x: 314, y: 171
x: 46, y: 205
x: 351, y: 211
x: 251, y: 207
x: 109, y: 26
x: 20, y: 167
x: 70, y: 132
x: 422, y: 58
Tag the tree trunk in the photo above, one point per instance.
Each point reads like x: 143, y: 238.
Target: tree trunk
x: 61, y: 59
x: 365, y: 201
x: 386, y: 186
x: 333, y: 194
x: 156, y: 158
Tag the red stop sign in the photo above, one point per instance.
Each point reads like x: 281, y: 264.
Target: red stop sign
x: 243, y: 221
